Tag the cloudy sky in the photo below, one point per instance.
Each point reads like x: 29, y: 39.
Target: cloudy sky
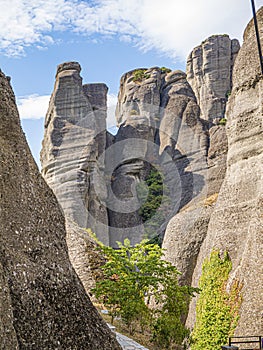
x: 107, y: 37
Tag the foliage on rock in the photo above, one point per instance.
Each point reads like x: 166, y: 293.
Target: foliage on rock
x: 217, y: 310
x: 139, y: 75
x: 155, y: 202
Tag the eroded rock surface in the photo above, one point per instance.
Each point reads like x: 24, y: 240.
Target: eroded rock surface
x: 43, y: 304
x: 159, y: 126
x: 236, y: 223
x: 209, y: 72
x: 74, y: 140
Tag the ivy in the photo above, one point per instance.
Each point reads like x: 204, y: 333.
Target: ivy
x: 217, y: 310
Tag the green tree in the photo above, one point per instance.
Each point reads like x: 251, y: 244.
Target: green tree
x: 153, y: 194
x: 134, y: 276
x: 217, y: 309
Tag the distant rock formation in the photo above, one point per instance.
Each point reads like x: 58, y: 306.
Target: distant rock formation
x: 43, y: 304
x: 209, y: 72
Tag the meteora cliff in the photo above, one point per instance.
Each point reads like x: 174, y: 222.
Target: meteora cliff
x: 201, y: 130
x: 43, y: 304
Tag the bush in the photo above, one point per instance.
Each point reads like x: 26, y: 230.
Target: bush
x: 139, y: 75
x: 222, y: 121
x: 165, y: 70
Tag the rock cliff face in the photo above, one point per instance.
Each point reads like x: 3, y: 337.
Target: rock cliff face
x: 160, y: 127
x: 209, y: 72
x: 43, y: 304
x: 73, y: 161
x: 233, y: 222
x: 236, y: 222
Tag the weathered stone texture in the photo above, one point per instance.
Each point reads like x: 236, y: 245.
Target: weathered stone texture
x: 236, y: 223
x: 43, y: 303
x: 209, y: 72
x: 73, y: 162
x: 159, y: 124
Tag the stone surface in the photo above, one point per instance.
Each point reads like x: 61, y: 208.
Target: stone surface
x: 236, y: 223
x: 74, y: 140
x: 43, y: 303
x: 72, y: 159
x: 159, y: 126
x: 209, y: 72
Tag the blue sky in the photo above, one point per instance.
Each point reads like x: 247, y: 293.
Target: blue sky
x: 107, y: 37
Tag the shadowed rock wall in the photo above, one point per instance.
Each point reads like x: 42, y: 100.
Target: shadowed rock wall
x: 43, y: 304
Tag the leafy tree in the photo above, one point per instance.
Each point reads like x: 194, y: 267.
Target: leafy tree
x: 135, y: 277
x: 152, y: 193
x: 217, y: 309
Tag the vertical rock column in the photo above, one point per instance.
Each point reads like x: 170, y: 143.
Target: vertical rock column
x: 236, y: 223
x: 43, y: 304
x: 209, y: 72
x: 73, y: 162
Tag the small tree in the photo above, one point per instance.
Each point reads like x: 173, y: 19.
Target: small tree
x: 134, y: 276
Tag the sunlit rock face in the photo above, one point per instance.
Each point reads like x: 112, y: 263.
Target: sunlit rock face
x: 73, y: 145
x: 236, y: 222
x: 72, y: 160
x: 209, y: 72
x: 43, y: 304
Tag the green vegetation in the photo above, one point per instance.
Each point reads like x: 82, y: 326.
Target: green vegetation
x: 228, y: 93
x: 217, y: 309
x: 139, y: 75
x: 133, y: 112
x: 134, y: 278
x: 222, y: 121
x: 155, y: 203
x: 165, y: 70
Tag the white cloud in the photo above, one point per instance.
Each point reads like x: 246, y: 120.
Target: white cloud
x: 33, y: 106
x: 170, y: 26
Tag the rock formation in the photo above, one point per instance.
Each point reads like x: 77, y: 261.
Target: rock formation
x: 209, y: 72
x: 236, y: 223
x: 233, y: 222
x: 173, y: 122
x: 43, y: 304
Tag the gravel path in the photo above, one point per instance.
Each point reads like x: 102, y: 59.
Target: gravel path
x: 128, y: 344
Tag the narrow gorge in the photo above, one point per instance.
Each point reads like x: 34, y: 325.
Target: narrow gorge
x: 183, y: 170
x: 201, y: 130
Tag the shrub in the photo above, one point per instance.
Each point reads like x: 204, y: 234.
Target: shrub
x: 135, y: 275
x: 139, y: 75
x: 134, y: 112
x: 222, y: 121
x: 165, y: 70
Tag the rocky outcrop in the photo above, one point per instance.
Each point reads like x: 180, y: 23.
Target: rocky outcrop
x: 209, y: 72
x: 160, y: 127
x: 230, y: 217
x: 236, y: 223
x: 43, y: 304
x: 74, y: 141
x: 72, y: 160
